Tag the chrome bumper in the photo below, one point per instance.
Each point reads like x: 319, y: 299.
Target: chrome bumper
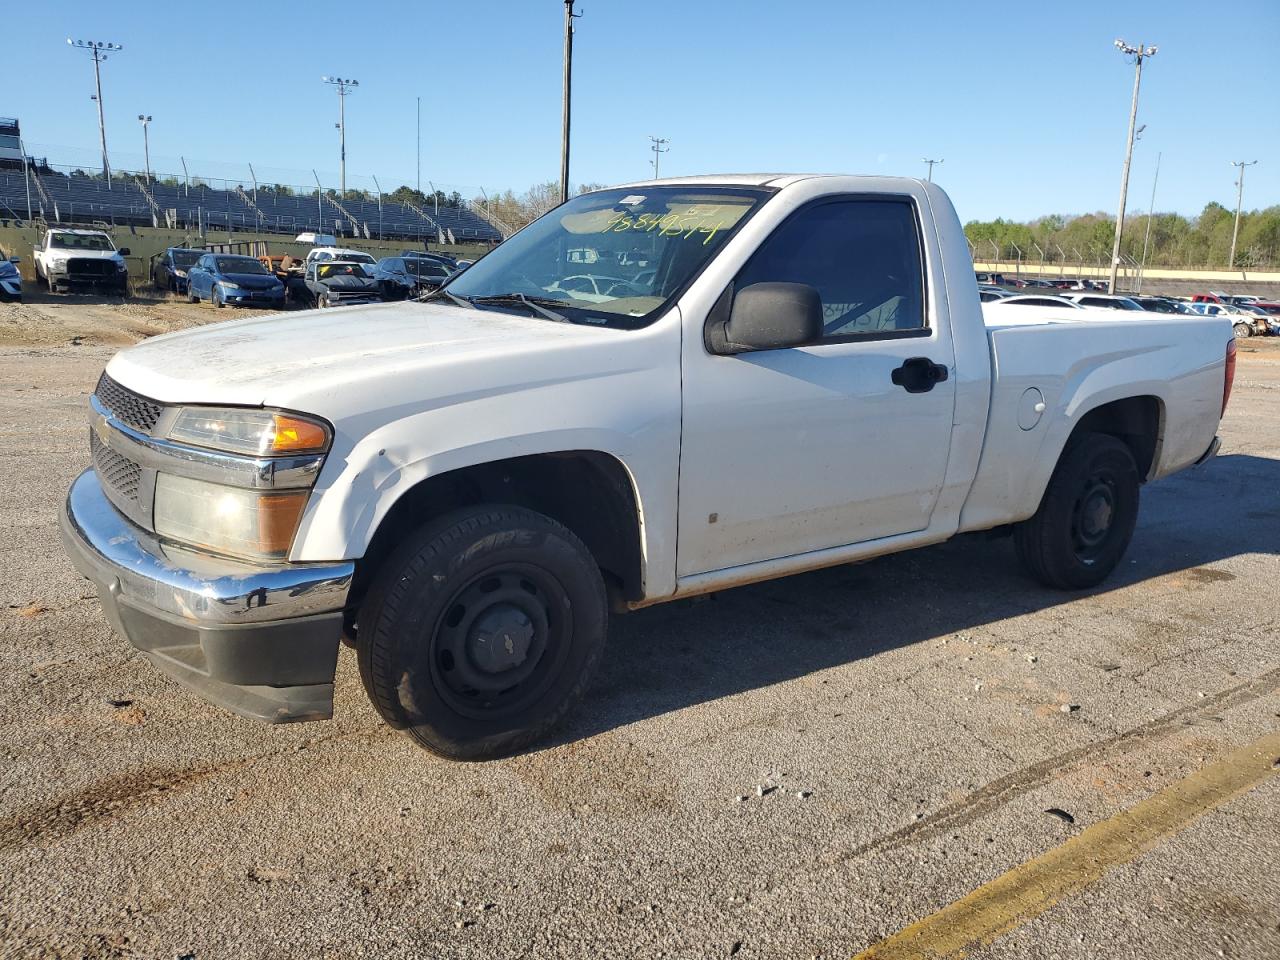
x: 259, y: 640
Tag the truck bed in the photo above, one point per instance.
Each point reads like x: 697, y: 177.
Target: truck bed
x: 1074, y: 360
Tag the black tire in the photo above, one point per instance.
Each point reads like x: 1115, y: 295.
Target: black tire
x: 1241, y: 331
x: 191, y: 295
x: 323, y: 302
x: 216, y: 298
x: 428, y: 631
x: 1086, y: 518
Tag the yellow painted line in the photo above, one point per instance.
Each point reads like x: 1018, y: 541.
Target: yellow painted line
x: 1030, y: 889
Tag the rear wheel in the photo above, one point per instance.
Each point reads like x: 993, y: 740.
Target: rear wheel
x: 1086, y: 518
x: 482, y: 631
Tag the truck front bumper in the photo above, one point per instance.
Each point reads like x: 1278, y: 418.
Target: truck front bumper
x: 260, y: 640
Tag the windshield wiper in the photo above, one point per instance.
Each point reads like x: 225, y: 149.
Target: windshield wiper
x: 536, y: 304
x: 460, y: 301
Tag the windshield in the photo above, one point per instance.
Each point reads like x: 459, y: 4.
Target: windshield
x: 80, y: 241
x: 616, y: 256
x: 186, y: 258
x: 426, y: 268
x: 240, y: 265
x: 328, y: 270
x: 351, y: 256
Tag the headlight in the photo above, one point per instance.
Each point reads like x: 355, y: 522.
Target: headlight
x: 228, y: 285
x: 180, y: 273
x: 59, y: 262
x: 258, y: 433
x: 231, y: 520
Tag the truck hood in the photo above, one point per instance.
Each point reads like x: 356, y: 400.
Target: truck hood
x: 60, y: 253
x: 341, y: 361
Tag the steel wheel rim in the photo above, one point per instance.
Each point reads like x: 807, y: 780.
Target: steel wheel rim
x: 1093, y: 516
x: 500, y: 641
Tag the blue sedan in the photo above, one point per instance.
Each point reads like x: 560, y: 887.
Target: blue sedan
x: 225, y: 279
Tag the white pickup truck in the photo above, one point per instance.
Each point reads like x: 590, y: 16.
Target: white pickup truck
x: 798, y: 375
x: 66, y: 258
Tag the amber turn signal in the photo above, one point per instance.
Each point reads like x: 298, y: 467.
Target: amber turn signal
x: 294, y: 435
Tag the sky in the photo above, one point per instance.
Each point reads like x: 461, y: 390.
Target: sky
x: 1026, y: 103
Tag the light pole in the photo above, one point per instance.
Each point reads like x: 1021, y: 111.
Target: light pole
x: 1235, y: 231
x: 1151, y: 211
x: 658, y: 150
x: 930, y: 163
x: 344, y: 86
x: 145, y: 120
x: 98, y: 51
x: 564, y: 117
x: 1139, y: 53
x: 418, y: 184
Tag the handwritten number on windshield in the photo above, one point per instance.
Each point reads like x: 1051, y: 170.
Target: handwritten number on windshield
x: 684, y: 225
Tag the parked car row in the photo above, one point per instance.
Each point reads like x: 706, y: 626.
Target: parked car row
x: 327, y: 276
x: 1250, y: 316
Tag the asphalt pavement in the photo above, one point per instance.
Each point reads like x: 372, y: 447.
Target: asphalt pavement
x: 799, y: 768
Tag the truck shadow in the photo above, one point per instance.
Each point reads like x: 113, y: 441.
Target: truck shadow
x: 688, y: 652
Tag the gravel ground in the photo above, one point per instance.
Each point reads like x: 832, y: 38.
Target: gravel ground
x: 792, y: 769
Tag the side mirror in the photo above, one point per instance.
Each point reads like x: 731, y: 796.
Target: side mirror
x: 123, y: 251
x: 766, y: 316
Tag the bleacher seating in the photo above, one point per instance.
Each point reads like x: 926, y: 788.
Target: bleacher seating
x: 83, y: 199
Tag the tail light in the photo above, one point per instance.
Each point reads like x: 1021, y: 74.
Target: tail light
x: 1230, y: 377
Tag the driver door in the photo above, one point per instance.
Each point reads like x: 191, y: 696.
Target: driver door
x: 793, y: 450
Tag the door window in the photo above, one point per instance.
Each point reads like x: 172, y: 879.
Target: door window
x: 862, y: 256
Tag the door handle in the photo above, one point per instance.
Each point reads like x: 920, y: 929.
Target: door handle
x: 918, y: 375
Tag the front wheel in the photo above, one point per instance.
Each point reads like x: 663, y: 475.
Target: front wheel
x: 481, y: 631
x: 1086, y: 517
x: 1242, y: 330
x: 323, y: 301
x: 217, y: 298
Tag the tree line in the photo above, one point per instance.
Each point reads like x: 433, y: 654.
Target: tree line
x: 1175, y: 241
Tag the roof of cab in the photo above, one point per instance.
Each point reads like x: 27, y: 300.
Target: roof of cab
x: 775, y: 180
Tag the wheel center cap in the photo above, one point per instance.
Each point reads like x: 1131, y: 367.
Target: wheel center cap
x: 1097, y: 514
x: 500, y: 638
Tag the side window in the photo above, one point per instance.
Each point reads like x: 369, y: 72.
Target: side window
x: 863, y: 258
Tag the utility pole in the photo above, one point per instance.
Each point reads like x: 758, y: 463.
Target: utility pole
x: 98, y: 51
x: 1235, y: 231
x: 1151, y: 210
x: 145, y: 120
x: 564, y: 119
x: 319, y: 203
x: 1139, y: 53
x: 931, y: 163
x: 658, y: 150
x: 344, y: 88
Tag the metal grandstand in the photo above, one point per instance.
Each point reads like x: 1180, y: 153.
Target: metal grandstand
x: 133, y: 199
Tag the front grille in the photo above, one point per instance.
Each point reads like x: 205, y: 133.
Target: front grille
x: 115, y: 470
x: 86, y: 268
x: 134, y: 409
